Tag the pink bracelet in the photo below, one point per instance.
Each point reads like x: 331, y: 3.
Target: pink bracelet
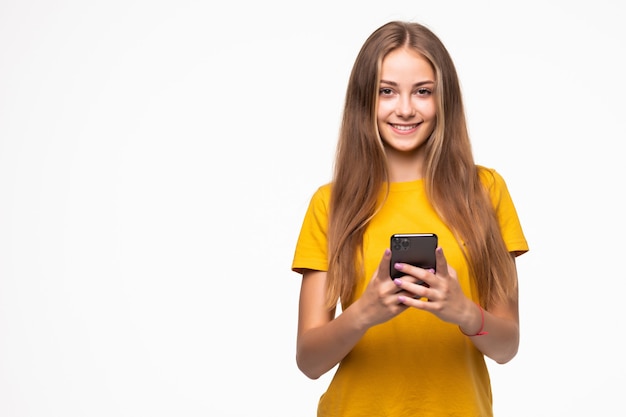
x: 482, y: 324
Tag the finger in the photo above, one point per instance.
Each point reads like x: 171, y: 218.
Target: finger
x: 442, y: 264
x: 414, y: 289
x: 418, y: 302
x: 383, y: 266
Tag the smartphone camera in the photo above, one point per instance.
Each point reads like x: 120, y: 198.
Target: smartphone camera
x: 401, y: 243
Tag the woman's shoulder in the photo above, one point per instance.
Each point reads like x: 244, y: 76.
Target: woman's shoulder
x: 321, y: 196
x: 490, y: 177
x: 323, y: 191
x: 495, y: 185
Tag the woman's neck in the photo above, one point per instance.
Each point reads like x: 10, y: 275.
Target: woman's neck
x: 405, y: 167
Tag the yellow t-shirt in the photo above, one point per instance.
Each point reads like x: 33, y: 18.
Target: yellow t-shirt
x: 414, y: 364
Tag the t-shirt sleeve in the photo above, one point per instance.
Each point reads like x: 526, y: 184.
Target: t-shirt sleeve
x: 506, y: 213
x: 312, y: 246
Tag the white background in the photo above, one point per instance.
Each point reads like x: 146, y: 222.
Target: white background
x: 157, y: 157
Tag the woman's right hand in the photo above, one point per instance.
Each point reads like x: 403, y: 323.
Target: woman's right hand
x: 379, y: 302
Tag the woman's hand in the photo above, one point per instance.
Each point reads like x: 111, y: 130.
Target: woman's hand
x: 379, y: 302
x: 495, y: 332
x: 441, y: 293
x: 324, y: 340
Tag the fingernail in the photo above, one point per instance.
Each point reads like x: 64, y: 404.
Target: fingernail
x: 397, y: 281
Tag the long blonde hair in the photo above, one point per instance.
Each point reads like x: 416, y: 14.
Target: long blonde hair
x: 450, y: 174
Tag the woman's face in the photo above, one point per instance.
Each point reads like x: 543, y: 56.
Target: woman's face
x: 406, y: 111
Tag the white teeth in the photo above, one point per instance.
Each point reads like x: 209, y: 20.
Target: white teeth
x: 399, y: 127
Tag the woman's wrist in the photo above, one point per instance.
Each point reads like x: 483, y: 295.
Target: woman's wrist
x: 481, y: 330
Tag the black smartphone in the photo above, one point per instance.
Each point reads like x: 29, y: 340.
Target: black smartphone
x: 416, y: 249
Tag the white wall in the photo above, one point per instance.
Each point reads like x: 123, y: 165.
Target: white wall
x: 156, y: 159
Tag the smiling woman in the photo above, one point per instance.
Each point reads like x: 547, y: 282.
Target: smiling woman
x: 407, y: 111
x: 157, y: 158
x: 413, y: 173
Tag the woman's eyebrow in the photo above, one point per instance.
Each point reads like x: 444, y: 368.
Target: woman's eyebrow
x: 418, y: 84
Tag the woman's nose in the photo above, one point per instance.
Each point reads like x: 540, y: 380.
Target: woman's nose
x: 405, y: 107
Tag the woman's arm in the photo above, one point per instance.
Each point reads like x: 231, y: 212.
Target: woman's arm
x: 501, y: 325
x: 444, y: 298
x: 324, y: 340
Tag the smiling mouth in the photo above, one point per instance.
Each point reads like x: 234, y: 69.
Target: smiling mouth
x: 405, y: 127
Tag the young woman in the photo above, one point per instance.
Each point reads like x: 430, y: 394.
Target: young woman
x: 404, y: 164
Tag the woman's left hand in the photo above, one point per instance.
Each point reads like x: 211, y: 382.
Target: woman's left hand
x: 441, y: 293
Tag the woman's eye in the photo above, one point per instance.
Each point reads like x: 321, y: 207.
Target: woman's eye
x: 423, y: 91
x: 386, y: 91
